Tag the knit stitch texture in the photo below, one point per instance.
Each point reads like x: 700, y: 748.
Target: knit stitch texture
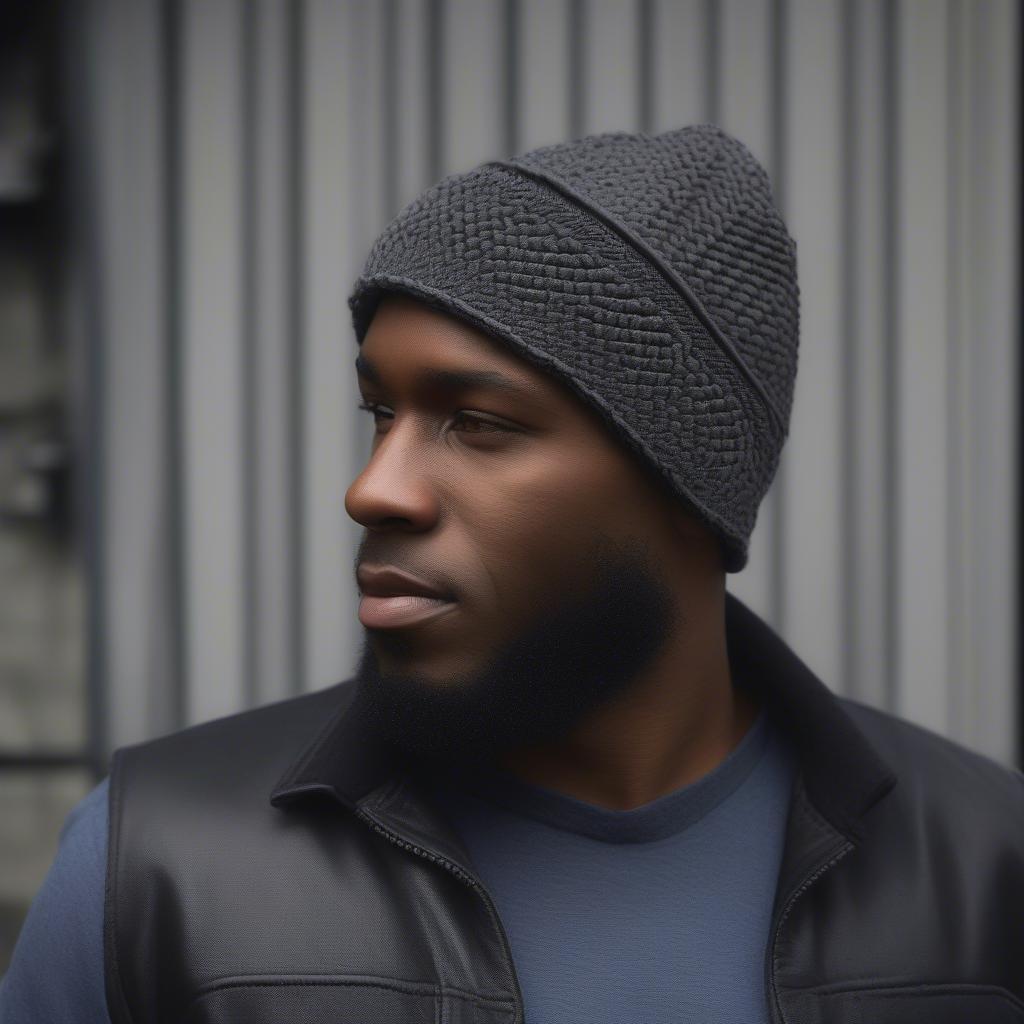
x: 651, y: 274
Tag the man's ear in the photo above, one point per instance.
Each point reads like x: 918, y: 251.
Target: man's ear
x: 693, y: 533
x: 683, y: 520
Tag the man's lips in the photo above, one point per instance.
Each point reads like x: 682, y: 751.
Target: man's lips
x: 389, y: 581
x: 400, y: 610
x: 392, y: 597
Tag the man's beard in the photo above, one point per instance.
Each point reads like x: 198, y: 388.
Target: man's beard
x: 579, y: 651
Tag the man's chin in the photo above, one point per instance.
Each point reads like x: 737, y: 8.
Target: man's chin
x: 582, y: 648
x: 440, y: 718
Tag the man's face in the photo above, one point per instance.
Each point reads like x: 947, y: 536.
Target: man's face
x: 548, y: 535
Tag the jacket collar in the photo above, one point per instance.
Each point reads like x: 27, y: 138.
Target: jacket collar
x: 843, y: 773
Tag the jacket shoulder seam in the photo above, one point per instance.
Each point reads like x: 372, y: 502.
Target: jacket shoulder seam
x: 926, y: 735
x: 113, y: 981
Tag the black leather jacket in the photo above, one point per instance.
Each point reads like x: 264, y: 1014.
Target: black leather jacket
x: 277, y: 865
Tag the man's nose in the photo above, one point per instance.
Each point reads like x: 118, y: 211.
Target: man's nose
x: 395, y: 483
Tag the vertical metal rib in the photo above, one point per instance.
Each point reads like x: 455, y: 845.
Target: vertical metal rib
x: 510, y: 80
x: 575, y: 68
x: 891, y: 382
x: 713, y: 27
x: 1019, y: 499
x: 389, y: 98
x: 249, y: 240
x: 435, y: 98
x: 958, y: 693
x: 174, y: 229
x: 296, y: 29
x: 849, y: 162
x: 645, y: 65
x: 90, y: 484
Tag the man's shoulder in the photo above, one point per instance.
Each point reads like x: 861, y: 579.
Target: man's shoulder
x: 251, y: 746
x: 937, y: 771
x: 56, y: 970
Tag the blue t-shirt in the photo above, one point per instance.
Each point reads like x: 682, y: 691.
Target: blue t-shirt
x: 56, y: 972
x: 660, y: 913
x: 657, y: 914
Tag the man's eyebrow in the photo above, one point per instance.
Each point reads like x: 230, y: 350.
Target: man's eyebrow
x: 451, y: 380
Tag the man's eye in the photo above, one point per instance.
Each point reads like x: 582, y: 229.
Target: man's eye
x: 487, y: 425
x: 461, y: 416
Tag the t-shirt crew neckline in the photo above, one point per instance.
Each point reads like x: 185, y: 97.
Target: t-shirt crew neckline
x: 667, y: 816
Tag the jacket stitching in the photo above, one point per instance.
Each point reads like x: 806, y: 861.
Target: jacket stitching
x: 396, y: 985
x: 916, y: 989
x: 868, y: 985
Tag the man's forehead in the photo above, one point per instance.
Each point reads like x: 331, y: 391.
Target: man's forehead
x: 448, y: 353
x: 449, y: 378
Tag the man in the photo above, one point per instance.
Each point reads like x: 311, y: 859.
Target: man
x: 572, y: 779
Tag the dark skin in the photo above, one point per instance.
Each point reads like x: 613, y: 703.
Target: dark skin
x: 505, y: 513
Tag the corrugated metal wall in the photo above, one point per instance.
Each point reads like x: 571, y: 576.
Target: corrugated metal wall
x: 239, y: 158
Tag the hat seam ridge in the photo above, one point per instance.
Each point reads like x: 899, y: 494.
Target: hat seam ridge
x: 674, y: 279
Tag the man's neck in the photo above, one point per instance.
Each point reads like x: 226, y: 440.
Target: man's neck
x: 679, y: 722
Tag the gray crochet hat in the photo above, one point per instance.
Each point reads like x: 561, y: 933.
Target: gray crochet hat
x: 651, y: 274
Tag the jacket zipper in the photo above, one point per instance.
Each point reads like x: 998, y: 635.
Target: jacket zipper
x: 805, y: 884
x: 467, y: 879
